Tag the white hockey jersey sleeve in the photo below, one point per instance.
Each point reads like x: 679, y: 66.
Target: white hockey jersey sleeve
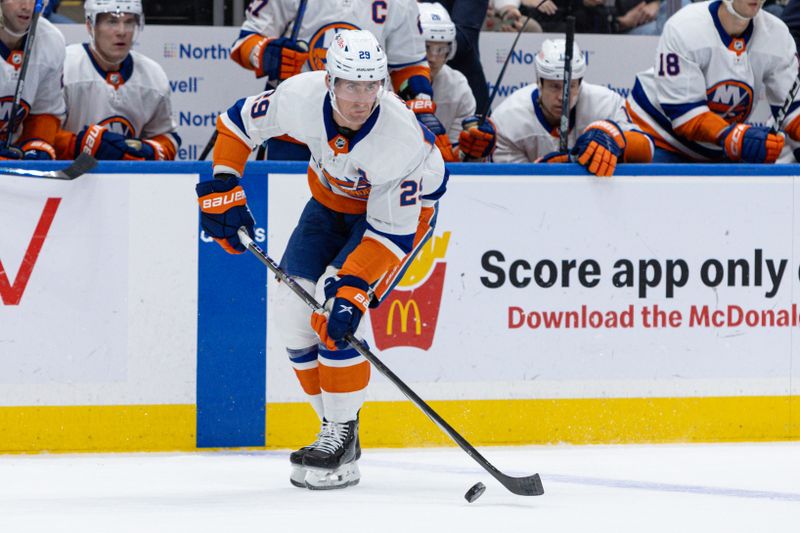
x: 680, y: 82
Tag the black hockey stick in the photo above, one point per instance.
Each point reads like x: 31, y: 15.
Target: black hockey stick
x: 524, y: 486
x: 26, y: 53
x: 563, y: 130
x: 782, y: 112
x: 209, y: 145
x: 82, y: 164
x: 298, y: 20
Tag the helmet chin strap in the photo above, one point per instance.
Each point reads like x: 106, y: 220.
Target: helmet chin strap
x: 100, y: 54
x: 732, y: 11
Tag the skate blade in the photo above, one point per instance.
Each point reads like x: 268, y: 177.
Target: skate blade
x: 298, y: 477
x: 343, y: 477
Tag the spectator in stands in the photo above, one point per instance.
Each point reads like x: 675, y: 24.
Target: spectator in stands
x: 118, y: 101
x: 468, y: 16
x: 41, y: 105
x: 791, y: 16
x: 505, y: 15
x: 549, y: 15
x: 50, y: 13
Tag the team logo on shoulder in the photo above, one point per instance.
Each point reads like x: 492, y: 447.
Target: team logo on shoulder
x: 731, y: 100
x: 318, y: 44
x: 119, y: 124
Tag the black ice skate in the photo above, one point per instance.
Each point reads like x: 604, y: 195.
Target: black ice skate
x: 332, y: 461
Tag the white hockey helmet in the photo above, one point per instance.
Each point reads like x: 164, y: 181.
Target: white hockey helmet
x: 92, y: 8
x: 437, y: 26
x: 356, y: 55
x: 732, y: 11
x: 550, y: 60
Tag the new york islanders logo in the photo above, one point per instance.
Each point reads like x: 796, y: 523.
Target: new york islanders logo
x: 119, y: 124
x: 356, y: 187
x: 731, y: 100
x: 6, y: 103
x: 409, y: 314
x: 318, y: 44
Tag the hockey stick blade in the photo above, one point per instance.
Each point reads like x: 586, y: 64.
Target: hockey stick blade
x: 523, y: 486
x: 82, y: 164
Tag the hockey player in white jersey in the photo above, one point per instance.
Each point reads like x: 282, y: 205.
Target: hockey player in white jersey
x: 452, y: 95
x: 527, y: 122
x: 375, y: 179
x: 713, y: 61
x: 42, y: 105
x: 264, y: 46
x: 118, y: 100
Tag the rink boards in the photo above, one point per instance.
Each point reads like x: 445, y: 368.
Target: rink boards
x: 656, y: 306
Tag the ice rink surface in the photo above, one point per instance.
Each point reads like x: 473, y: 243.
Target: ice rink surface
x: 705, y: 488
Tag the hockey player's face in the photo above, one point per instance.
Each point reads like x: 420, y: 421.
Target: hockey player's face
x: 17, y: 14
x: 551, y: 96
x: 437, y: 53
x: 113, y: 35
x: 355, y: 100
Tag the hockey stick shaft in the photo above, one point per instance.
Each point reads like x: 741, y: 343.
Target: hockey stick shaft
x: 563, y: 130
x: 526, y: 486
x: 82, y: 164
x: 209, y: 145
x: 784, y: 110
x: 487, y: 109
x: 26, y: 53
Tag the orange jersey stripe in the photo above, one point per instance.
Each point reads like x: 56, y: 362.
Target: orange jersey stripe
x: 65, y: 144
x: 167, y: 145
x: 309, y: 380
x: 331, y: 200
x: 369, y: 261
x: 344, y: 379
x: 241, y: 54
x: 229, y: 149
x: 401, y: 75
x: 703, y: 128
x: 644, y: 126
x: 44, y: 127
x: 637, y: 148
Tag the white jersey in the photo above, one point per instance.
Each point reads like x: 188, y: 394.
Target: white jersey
x: 524, y: 135
x: 454, y: 100
x: 388, y: 170
x: 135, y: 101
x: 41, y: 92
x: 700, y: 68
x: 394, y: 24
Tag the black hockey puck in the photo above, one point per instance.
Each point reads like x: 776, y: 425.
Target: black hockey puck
x: 475, y: 492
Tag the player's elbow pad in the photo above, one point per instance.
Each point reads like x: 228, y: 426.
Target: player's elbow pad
x: 639, y: 147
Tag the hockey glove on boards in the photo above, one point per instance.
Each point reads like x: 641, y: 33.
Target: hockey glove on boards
x: 477, y: 141
x: 751, y: 144
x: 10, y: 153
x: 425, y: 108
x: 38, y: 150
x: 599, y: 147
x: 346, y: 299
x: 223, y: 210
x: 280, y: 58
x: 97, y: 141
